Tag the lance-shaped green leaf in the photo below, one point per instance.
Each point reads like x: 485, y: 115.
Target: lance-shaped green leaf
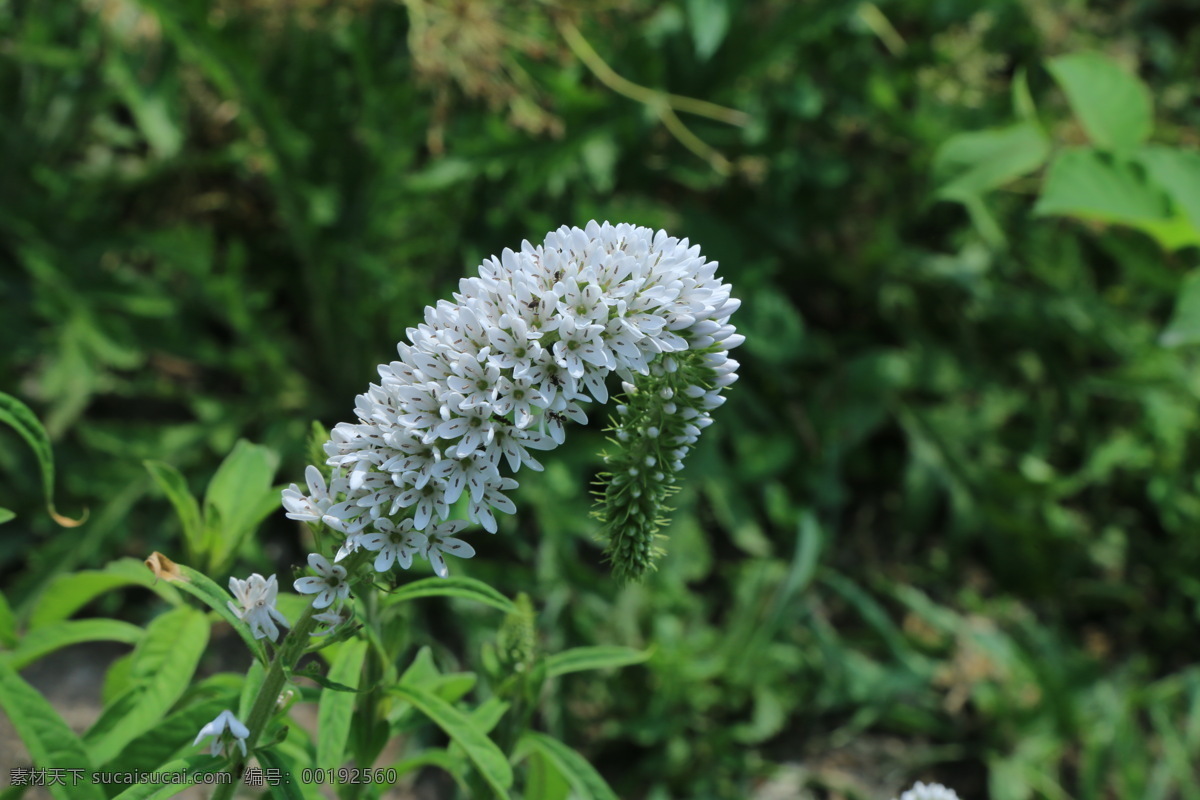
x: 580, y: 659
x: 464, y: 588
x: 17, y: 415
x: 584, y: 779
x: 239, y: 496
x: 42, y: 642
x: 6, y: 515
x: 160, y: 671
x: 65, y: 594
x: 8, y: 623
x: 50, y: 742
x: 175, y: 487
x: 480, y: 749
x: 336, y: 708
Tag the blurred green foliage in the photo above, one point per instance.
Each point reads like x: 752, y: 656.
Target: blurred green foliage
x: 946, y: 527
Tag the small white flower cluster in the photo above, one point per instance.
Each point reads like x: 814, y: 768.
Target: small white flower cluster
x: 931, y: 791
x: 495, y: 374
x: 256, y: 605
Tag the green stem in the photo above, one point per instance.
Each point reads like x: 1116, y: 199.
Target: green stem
x: 289, y: 652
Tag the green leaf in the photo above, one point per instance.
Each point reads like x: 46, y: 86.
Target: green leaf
x: 1177, y: 171
x: 1084, y: 183
x: 465, y: 588
x: 584, y: 779
x: 50, y: 742
x: 66, y: 594
x: 160, y: 671
x: 17, y: 415
x: 1184, y: 327
x: 250, y: 686
x: 193, y: 767
x: 1113, y: 106
x: 545, y: 781
x: 336, y: 708
x: 239, y: 496
x: 43, y: 641
x: 970, y: 164
x: 6, y: 515
x: 8, y: 623
x: 709, y: 22
x: 1022, y: 100
x: 579, y: 659
x: 175, y: 487
x: 481, y: 750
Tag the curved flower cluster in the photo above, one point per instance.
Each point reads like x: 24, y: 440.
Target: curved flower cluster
x: 492, y: 376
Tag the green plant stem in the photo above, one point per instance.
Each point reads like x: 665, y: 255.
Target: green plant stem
x: 290, y: 651
x: 286, y: 656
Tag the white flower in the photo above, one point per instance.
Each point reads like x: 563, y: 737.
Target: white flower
x: 312, y: 507
x: 226, y: 729
x: 481, y: 511
x: 932, y: 791
x: 440, y: 540
x: 330, y: 586
x: 332, y: 619
x: 532, y: 338
x: 256, y: 597
x: 394, y: 543
x: 350, y: 545
x: 475, y: 382
x: 468, y: 470
x: 319, y: 505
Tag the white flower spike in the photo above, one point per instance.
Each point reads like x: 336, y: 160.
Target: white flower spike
x: 225, y: 730
x: 499, y: 369
x: 331, y: 584
x: 256, y: 605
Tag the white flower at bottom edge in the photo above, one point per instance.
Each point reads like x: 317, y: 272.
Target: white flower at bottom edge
x: 257, y: 598
x: 331, y: 585
x: 441, y: 540
x: 931, y: 791
x: 225, y: 729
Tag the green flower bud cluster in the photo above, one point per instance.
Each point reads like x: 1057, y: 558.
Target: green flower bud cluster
x: 656, y: 424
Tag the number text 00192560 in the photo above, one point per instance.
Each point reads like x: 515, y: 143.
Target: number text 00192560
x: 346, y: 775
